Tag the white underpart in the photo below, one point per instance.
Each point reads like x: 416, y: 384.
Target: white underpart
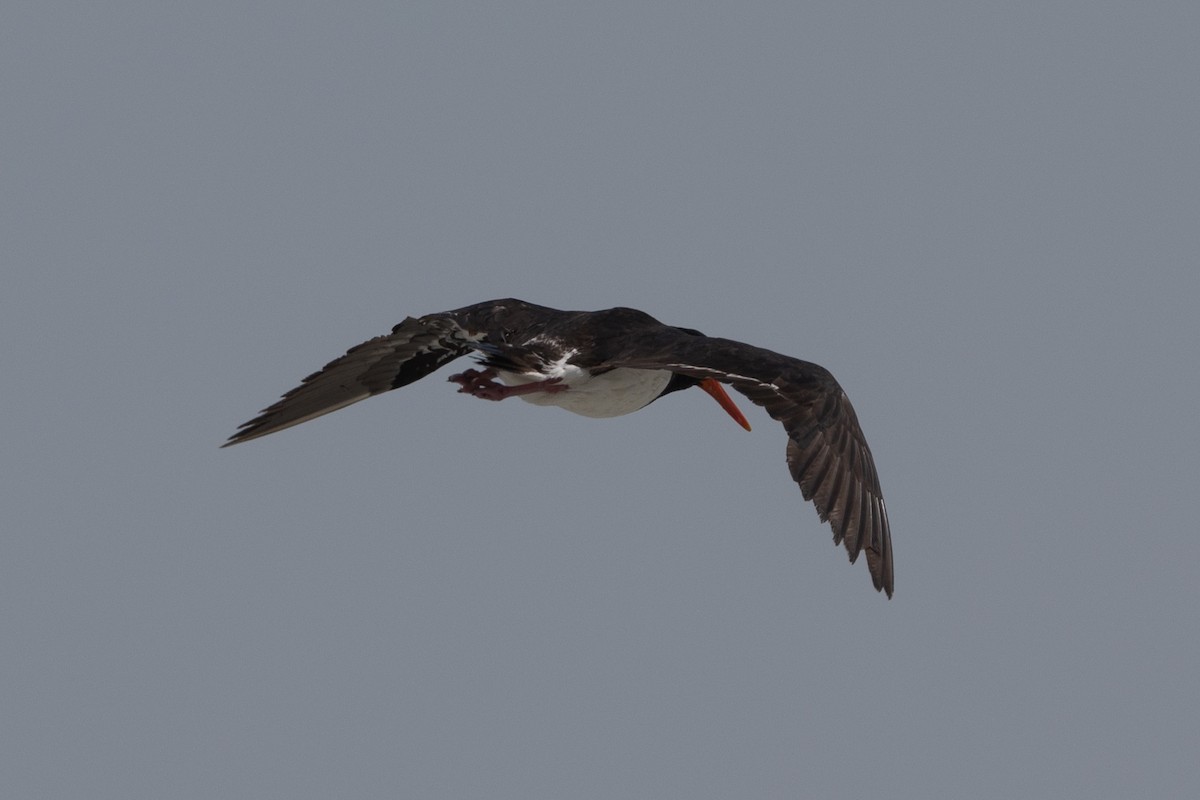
x: 610, y: 394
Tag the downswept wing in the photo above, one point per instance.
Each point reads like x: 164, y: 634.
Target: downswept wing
x: 827, y: 452
x: 414, y: 348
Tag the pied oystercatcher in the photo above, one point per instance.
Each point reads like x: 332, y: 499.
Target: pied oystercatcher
x: 613, y: 362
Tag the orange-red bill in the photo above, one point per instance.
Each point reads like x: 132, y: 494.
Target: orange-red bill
x: 717, y: 391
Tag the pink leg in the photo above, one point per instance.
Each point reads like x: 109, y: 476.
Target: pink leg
x: 480, y: 384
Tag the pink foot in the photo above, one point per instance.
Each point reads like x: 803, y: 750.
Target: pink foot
x: 480, y: 384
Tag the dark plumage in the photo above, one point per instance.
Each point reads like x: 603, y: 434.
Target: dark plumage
x: 612, y: 362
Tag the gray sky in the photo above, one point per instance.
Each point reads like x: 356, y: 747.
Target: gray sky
x: 981, y: 217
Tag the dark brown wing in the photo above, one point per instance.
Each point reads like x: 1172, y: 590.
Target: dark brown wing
x: 827, y: 452
x: 414, y: 348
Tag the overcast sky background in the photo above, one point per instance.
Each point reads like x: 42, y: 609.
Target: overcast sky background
x: 983, y: 218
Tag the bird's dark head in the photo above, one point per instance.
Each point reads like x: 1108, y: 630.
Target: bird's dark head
x: 678, y: 379
x: 715, y: 390
x: 709, y: 384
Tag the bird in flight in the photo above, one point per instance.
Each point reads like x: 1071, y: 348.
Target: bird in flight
x: 614, y: 362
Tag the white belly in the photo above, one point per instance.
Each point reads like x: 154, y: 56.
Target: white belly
x: 611, y: 394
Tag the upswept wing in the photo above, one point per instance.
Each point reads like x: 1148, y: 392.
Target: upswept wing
x: 414, y: 348
x: 827, y: 452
